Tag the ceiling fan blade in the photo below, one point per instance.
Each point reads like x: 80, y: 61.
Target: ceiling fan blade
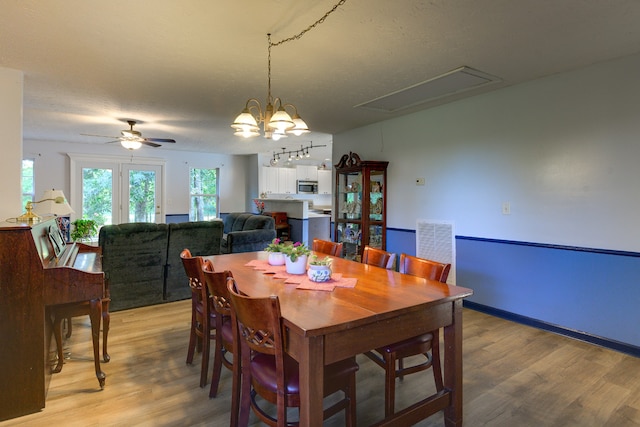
x: 160, y: 140
x: 99, y: 136
x: 150, y: 144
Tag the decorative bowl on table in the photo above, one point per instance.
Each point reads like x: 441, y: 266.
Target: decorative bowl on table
x: 319, y: 273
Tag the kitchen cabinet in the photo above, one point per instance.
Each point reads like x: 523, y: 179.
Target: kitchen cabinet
x: 306, y: 173
x: 360, y: 205
x: 324, y: 181
x: 287, y: 181
x: 269, y: 180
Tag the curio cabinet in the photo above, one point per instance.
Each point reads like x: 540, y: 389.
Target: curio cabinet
x: 360, y: 205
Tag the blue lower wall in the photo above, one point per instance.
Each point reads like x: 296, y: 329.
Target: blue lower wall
x: 591, y: 294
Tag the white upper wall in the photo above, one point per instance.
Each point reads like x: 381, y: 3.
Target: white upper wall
x: 52, y: 171
x: 11, y: 84
x: 562, y: 150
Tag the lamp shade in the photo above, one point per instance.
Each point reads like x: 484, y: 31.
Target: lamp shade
x: 130, y: 143
x: 53, y: 202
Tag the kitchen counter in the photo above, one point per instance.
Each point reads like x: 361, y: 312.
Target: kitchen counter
x: 306, y: 223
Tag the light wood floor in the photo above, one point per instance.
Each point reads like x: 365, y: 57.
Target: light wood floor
x: 513, y: 376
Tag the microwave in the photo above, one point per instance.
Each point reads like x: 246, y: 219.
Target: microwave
x: 307, y: 187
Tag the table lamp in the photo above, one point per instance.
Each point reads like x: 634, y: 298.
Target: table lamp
x: 53, y: 202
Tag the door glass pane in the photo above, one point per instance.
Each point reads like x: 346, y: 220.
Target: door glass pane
x: 142, y: 196
x: 97, y: 195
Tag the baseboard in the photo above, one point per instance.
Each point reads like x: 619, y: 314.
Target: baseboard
x: 581, y: 336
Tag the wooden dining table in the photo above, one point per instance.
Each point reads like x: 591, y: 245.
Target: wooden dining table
x: 383, y: 307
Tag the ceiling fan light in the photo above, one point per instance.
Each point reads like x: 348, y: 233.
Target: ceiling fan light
x: 130, y: 144
x: 281, y: 121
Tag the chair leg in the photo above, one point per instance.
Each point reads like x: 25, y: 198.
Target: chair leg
x: 57, y: 333
x: 435, y: 361
x: 69, y: 327
x: 217, y: 366
x: 106, y: 323
x: 192, y: 340
x: 204, y: 369
x: 389, y: 384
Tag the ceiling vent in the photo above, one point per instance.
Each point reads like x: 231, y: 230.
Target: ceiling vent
x: 453, y: 82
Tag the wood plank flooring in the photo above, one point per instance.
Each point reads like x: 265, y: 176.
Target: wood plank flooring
x: 514, y: 375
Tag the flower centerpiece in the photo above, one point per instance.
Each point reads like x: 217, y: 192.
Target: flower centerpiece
x: 259, y: 205
x: 276, y: 249
x: 296, y: 257
x: 319, y: 269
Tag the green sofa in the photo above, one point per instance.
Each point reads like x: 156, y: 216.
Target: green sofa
x: 246, y: 232
x: 141, y: 261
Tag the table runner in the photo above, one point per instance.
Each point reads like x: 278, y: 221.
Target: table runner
x: 302, y: 280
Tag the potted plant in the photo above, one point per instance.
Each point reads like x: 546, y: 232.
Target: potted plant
x: 83, y: 229
x: 296, y: 257
x: 275, y: 249
x: 319, y: 269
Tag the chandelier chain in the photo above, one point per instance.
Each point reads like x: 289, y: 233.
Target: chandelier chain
x: 310, y: 27
x: 292, y: 38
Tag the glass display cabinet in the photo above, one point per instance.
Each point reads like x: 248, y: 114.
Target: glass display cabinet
x: 360, y: 205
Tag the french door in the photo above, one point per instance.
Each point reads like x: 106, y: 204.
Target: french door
x: 116, y: 191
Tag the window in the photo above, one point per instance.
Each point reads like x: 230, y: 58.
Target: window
x: 203, y: 185
x: 28, y: 184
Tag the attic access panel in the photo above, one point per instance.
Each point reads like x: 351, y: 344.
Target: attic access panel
x: 447, y: 84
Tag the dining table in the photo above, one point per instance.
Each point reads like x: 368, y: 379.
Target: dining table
x: 361, y: 308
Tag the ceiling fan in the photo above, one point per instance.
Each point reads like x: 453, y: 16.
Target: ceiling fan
x: 132, y: 139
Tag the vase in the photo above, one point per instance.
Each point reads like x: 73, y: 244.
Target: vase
x: 276, y: 258
x: 319, y: 273
x: 299, y: 266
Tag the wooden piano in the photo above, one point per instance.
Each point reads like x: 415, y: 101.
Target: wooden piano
x: 41, y: 279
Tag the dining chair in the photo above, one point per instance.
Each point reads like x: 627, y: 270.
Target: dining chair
x: 427, y: 345
x: 216, y: 282
x: 203, y: 316
x: 327, y: 247
x: 378, y: 257
x: 269, y: 372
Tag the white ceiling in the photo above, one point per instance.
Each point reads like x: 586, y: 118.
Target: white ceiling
x: 185, y: 68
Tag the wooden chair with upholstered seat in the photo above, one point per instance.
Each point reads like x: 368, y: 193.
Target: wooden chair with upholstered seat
x: 427, y: 345
x: 203, y: 317
x: 217, y: 287
x: 271, y: 373
x: 378, y: 257
x: 327, y: 247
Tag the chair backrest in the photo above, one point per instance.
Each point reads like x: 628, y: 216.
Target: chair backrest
x: 217, y: 286
x: 378, y: 257
x: 195, y: 274
x: 431, y: 270
x: 258, y: 321
x: 327, y: 247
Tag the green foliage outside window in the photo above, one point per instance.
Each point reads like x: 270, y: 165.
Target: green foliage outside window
x: 97, y: 195
x: 203, y: 185
x: 28, y: 185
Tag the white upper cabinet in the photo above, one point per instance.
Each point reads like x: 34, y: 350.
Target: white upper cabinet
x: 324, y: 181
x: 287, y: 181
x: 306, y: 173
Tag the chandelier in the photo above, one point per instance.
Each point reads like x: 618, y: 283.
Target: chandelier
x: 291, y: 155
x: 276, y: 121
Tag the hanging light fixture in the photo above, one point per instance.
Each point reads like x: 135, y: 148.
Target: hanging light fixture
x: 299, y: 154
x: 276, y: 121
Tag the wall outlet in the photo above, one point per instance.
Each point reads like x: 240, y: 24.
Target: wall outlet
x: 419, y: 181
x: 506, y: 208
